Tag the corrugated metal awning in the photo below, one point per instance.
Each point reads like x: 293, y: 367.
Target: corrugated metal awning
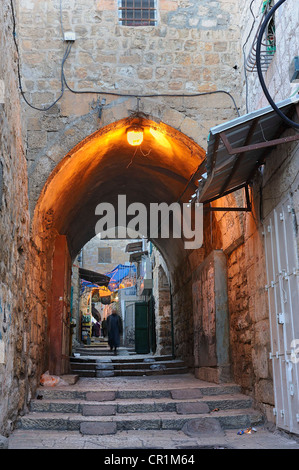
x: 134, y: 246
x: 237, y: 148
x: 137, y: 256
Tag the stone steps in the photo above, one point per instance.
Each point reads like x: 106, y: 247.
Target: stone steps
x: 104, y: 395
x: 126, y: 366
x: 137, y: 405
x: 109, y: 411
x: 227, y: 419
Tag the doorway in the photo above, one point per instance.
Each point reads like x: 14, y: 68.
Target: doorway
x: 145, y: 331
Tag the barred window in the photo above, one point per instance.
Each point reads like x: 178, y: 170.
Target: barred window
x: 137, y: 12
x: 104, y: 255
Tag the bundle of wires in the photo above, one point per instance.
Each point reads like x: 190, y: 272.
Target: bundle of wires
x: 268, y: 17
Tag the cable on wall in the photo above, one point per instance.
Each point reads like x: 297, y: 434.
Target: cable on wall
x: 66, y: 54
x: 244, y: 57
x: 99, y: 92
x: 288, y: 121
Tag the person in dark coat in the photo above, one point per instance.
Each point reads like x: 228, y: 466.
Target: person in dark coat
x: 115, y: 329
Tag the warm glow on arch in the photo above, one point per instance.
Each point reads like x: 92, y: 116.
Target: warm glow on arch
x: 104, y: 165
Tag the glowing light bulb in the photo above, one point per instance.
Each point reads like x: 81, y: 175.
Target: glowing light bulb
x: 135, y: 135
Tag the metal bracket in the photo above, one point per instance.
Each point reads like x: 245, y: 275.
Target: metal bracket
x: 232, y: 209
x: 281, y: 318
x: 248, y: 148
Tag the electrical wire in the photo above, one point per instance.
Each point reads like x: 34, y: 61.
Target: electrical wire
x: 66, y: 54
x: 288, y: 121
x: 61, y: 21
x: 244, y: 57
x: 153, y: 95
x: 99, y: 92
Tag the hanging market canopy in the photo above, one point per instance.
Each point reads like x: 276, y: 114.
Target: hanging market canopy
x: 87, y: 285
x: 118, y: 274
x: 94, y: 277
x: 104, y: 291
x: 98, y: 291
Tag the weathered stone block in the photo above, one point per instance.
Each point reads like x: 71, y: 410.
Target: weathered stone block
x: 3, y: 442
x: 100, y: 396
x: 105, y: 373
x: 183, y: 394
x: 98, y: 410
x: 192, y: 408
x: 95, y: 428
x: 168, y: 5
x: 37, y: 139
x: 203, y: 427
x: 76, y: 105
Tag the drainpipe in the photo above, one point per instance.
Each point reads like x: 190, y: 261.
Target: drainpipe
x: 171, y: 318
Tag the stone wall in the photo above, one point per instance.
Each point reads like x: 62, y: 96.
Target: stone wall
x: 14, y: 236
x: 277, y: 76
x: 90, y: 257
x: 162, y: 303
x: 277, y: 180
x: 193, y: 49
x: 211, y: 319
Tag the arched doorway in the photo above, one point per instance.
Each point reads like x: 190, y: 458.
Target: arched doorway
x: 99, y: 169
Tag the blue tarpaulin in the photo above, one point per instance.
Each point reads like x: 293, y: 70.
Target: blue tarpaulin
x: 87, y: 284
x: 118, y: 274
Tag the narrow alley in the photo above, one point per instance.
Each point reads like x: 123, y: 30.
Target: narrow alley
x: 149, y: 214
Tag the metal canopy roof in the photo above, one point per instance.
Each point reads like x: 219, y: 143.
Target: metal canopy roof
x: 237, y: 148
x: 134, y: 246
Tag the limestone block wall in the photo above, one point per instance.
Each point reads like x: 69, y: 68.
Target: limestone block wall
x: 161, y: 294
x: 211, y: 319
x: 90, y: 258
x: 277, y: 76
x: 193, y: 49
x: 14, y: 237
x: 278, y: 179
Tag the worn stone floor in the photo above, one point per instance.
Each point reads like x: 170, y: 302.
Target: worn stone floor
x: 262, y: 438
x: 172, y: 440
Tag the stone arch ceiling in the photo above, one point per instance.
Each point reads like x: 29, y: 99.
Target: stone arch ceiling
x: 103, y: 166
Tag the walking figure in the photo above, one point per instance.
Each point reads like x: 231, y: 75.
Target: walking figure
x: 115, y: 329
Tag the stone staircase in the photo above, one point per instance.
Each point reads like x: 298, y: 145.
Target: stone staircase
x: 95, y: 411
x: 113, y: 366
x: 98, y: 347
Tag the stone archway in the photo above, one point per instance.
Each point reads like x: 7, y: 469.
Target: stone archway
x: 98, y: 169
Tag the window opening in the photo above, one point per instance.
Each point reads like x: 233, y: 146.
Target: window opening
x: 137, y: 12
x: 104, y: 255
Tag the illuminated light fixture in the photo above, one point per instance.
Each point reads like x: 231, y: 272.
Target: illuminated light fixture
x: 135, y: 135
